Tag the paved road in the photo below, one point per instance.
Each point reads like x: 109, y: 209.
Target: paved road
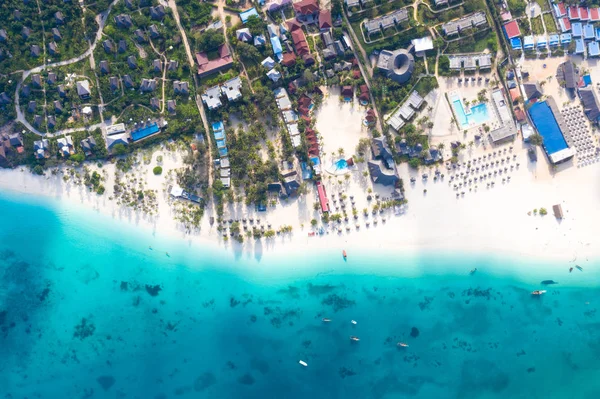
x: 21, y: 118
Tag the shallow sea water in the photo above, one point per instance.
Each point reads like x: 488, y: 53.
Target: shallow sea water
x: 87, y: 310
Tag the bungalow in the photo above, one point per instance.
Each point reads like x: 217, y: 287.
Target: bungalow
x: 243, y: 35
x: 25, y: 32
x: 157, y: 66
x: 268, y: 63
x: 35, y: 51
x: 148, y: 85
x: 104, y: 67
x: 207, y: 67
x: 123, y: 21
x: 274, y: 75
x: 56, y: 34
x: 128, y: 82
x: 171, y: 104
x: 300, y: 42
x: 245, y: 15
x: 511, y: 29
x: 83, y: 89
x: 58, y: 107
x: 565, y: 38
x: 37, y: 121
x: 25, y: 90
x: 181, y: 87
x: 31, y: 106
x: 329, y: 54
x: 51, y: 121
x: 15, y: 140
x: 564, y: 24
x: 52, y: 48
x: 87, y: 145
x: 291, y: 183
x: 139, y: 35
x: 593, y: 49
x: 554, y: 40
x: 415, y: 100
x: 116, y: 139
x: 157, y: 12
x: 4, y: 36
x: 304, y: 105
x: 347, y: 93
x: 113, y: 82
x: 122, y: 47
x: 211, y: 97
x: 36, y: 81
x: 579, y: 46
x: 154, y: 103
x: 528, y: 42
x: 41, y: 148
x: 173, y: 65
x: 289, y: 59
x: 532, y: 90
x: 276, y: 44
x: 232, y: 89
x: 370, y: 117
x: 577, y: 29
x: 4, y: 98
x: 65, y: 146
x: 591, y: 105
x: 154, y: 33
x: 588, y: 32
x: 259, y: 40
x: 59, y: 18
x: 325, y: 20
x: 363, y: 98
x: 108, y: 46
x: 132, y: 62
x: 306, y: 10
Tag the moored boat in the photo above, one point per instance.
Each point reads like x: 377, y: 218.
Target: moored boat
x: 344, y: 254
x: 353, y: 338
x: 302, y: 362
x: 579, y: 268
x: 538, y: 292
x: 402, y: 345
x: 473, y: 271
x: 353, y: 321
x: 326, y: 320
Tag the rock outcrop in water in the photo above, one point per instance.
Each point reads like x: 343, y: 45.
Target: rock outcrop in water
x: 106, y: 381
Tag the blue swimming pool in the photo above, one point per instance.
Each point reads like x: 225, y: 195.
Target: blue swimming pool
x: 477, y: 114
x: 144, y: 132
x: 546, y: 125
x: 341, y: 164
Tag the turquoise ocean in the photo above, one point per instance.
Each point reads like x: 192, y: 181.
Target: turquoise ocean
x: 88, y: 310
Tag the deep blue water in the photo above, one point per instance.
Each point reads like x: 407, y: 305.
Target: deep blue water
x: 546, y: 124
x: 81, y: 317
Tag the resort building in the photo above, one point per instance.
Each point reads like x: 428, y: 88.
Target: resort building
x: 506, y: 129
x: 223, y: 61
x: 83, y: 89
x: 550, y: 125
x: 406, y: 111
x: 397, y: 65
x: 470, y: 21
x: 232, y: 89
x: 212, y: 97
x: 380, y: 174
x: 386, y: 21
x: 591, y: 105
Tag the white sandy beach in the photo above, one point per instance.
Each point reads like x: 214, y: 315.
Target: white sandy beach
x: 494, y: 219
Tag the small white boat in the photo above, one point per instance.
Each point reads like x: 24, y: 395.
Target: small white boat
x: 402, y: 345
x: 353, y: 321
x: 302, y: 362
x: 538, y: 292
x: 325, y: 320
x: 353, y: 338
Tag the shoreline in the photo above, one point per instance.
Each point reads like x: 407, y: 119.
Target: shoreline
x: 460, y: 231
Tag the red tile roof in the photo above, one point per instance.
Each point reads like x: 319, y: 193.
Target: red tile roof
x: 512, y: 29
x: 308, y: 59
x: 323, y: 197
x: 289, y: 59
x: 306, y: 7
x: 566, y: 23
x: 562, y: 10
x: 519, y: 114
x: 325, y: 19
x: 584, y: 13
x: 347, y: 91
x: 574, y: 12
x: 206, y: 66
x: 293, y: 25
x: 514, y: 94
x: 594, y: 14
x: 300, y: 42
x: 356, y: 74
x: 370, y: 115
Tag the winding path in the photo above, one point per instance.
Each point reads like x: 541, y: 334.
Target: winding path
x: 21, y: 118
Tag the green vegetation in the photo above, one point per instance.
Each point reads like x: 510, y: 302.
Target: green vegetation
x: 209, y: 40
x: 537, y: 28
x: 157, y: 170
x: 476, y: 43
x: 543, y: 211
x: 550, y: 24
x: 194, y: 14
x: 426, y: 84
x: 536, y: 139
x: 517, y: 8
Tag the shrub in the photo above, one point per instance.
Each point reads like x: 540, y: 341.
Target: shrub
x: 157, y: 170
x: 543, y: 211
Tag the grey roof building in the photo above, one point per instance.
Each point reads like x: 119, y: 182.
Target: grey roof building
x: 15, y: 140
x: 61, y: 90
x: 52, y: 48
x: 154, y: 103
x: 123, y: 21
x: 37, y: 120
x: 113, y: 81
x: 591, y: 106
x: 4, y: 98
x: 56, y: 34
x: 88, y: 144
x: 157, y: 12
x: 108, y: 45
x: 157, y: 65
x: 51, y: 121
x: 122, y: 48
x: 171, y: 104
x: 58, y: 107
x: 181, y: 87
x: 139, y: 35
x: 35, y: 50
x: 41, y: 147
x: 232, y: 88
x: 148, y: 85
x: 104, y: 67
x: 381, y: 175
x: 128, y: 82
x: 532, y: 90
x: 83, y: 89
x: 31, y: 106
x: 154, y: 33
x: 211, y: 97
x: 397, y: 65
x: 25, y: 91
x: 132, y: 62
x: 59, y: 17
x: 173, y: 65
x: 291, y: 183
x: 36, y: 80
x: 25, y: 32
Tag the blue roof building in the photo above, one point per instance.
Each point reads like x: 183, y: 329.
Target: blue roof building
x: 515, y: 43
x: 565, y: 38
x: 598, y: 34
x: 542, y: 41
x: 528, y: 42
x: 588, y: 32
x: 554, y: 40
x: 223, y: 152
x: 244, y: 15
x: 593, y: 49
x: 579, y: 46
x: 577, y: 29
x: 276, y: 46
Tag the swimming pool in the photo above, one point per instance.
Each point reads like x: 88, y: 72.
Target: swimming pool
x: 478, y: 114
x: 545, y: 123
x: 341, y: 164
x: 144, y: 132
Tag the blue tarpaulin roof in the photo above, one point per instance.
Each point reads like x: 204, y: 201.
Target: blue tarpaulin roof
x: 276, y: 45
x: 244, y: 15
x: 554, y: 39
x: 593, y: 51
x: 565, y: 38
x: 577, y: 29
x: 579, y: 46
x: 515, y: 43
